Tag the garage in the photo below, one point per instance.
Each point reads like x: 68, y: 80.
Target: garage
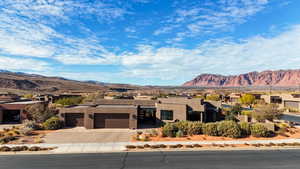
x: 74, y: 119
x: 111, y: 120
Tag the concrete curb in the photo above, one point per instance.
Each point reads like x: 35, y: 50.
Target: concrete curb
x: 121, y: 146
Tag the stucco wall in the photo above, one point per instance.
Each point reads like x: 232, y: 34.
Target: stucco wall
x: 179, y: 111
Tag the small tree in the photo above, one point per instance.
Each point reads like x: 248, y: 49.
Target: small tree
x: 266, y: 112
x: 213, y: 97
x: 40, y: 112
x: 247, y: 99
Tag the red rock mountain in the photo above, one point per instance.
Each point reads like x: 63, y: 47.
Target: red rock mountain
x: 280, y: 78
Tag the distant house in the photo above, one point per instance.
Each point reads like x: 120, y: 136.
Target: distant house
x: 235, y: 97
x: 122, y: 113
x: 14, y: 111
x: 5, y: 96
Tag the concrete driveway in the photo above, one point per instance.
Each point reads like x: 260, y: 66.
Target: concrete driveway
x: 82, y: 135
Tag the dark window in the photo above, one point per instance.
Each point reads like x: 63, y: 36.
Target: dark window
x: 166, y: 115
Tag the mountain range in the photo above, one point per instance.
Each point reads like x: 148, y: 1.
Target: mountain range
x: 278, y: 78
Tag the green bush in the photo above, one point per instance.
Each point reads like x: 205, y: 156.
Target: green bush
x: 195, y: 128
x: 229, y: 129
x: 179, y: 133
x: 183, y: 126
x: 53, y: 124
x: 245, y: 127
x: 169, y: 130
x: 211, y: 129
x: 69, y: 101
x: 259, y: 130
x: 5, y: 149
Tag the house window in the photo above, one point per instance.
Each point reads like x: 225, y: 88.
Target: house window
x: 166, y: 115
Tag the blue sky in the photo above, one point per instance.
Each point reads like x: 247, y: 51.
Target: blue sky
x: 148, y: 42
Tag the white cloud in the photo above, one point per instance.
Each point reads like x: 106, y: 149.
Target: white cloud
x: 217, y: 56
x: 211, y: 17
x: 26, y: 30
x: 16, y: 64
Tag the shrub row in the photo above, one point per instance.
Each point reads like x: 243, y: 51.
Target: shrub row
x: 224, y: 128
x: 147, y: 146
x: 23, y: 148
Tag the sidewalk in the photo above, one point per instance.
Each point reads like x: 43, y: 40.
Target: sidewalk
x: 121, y: 146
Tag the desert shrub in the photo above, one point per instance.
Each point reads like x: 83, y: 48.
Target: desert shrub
x: 53, y: 123
x: 229, y: 129
x: 179, y: 145
x: 245, y: 127
x: 31, y: 124
x: 17, y: 148
x: 10, y: 133
x: 153, y: 133
x: 16, y: 132
x: 197, y: 145
x: 155, y: 146
x: 7, y: 139
x: 169, y: 130
x: 26, y: 131
x: 147, y: 146
x: 145, y: 138
x: 259, y: 130
x: 140, y: 147
x: 24, y: 148
x: 179, y: 133
x: 130, y: 146
x: 34, y: 148
x: 182, y: 126
x: 211, y: 129
x: 195, y: 128
x: 162, y: 146
x: 173, y: 146
x: 189, y: 146
x: 5, y: 149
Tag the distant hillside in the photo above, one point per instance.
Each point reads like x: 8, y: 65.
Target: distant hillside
x: 279, y: 78
x: 32, y: 82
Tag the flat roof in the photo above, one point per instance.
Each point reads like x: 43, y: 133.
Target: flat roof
x: 127, y: 106
x: 25, y: 102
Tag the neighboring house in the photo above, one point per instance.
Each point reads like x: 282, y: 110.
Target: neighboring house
x: 288, y: 101
x: 122, y: 113
x: 143, y: 97
x: 192, y: 109
x: 14, y: 112
x: 235, y: 97
x: 4, y: 97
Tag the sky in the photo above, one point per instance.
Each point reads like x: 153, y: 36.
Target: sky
x: 148, y: 42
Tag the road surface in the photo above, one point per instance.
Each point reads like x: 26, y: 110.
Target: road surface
x: 275, y: 159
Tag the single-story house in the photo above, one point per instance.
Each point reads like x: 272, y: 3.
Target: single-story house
x: 122, y: 113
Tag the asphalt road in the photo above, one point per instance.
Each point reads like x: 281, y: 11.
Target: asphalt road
x: 283, y: 159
